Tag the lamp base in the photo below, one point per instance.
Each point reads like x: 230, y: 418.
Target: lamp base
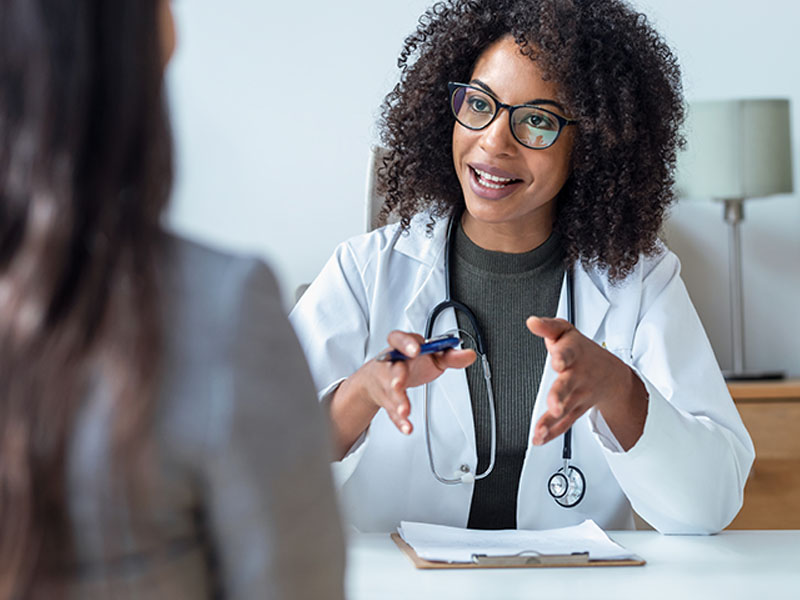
x: 752, y: 375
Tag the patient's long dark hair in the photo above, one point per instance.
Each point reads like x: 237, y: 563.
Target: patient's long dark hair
x: 85, y: 172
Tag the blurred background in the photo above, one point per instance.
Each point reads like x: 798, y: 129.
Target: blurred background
x: 274, y: 109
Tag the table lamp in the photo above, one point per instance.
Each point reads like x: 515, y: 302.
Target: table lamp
x: 737, y: 150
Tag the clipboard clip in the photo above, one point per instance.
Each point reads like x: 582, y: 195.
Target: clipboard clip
x: 530, y: 557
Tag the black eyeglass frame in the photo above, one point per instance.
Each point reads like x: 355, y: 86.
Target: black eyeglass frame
x: 453, y: 87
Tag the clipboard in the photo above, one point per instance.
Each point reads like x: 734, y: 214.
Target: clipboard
x: 517, y: 561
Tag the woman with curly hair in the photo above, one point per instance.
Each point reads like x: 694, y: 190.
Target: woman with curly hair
x: 531, y: 149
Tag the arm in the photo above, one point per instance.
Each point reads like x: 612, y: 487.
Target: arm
x: 687, y: 472
x: 270, y: 505
x: 332, y: 322
x: 674, y: 439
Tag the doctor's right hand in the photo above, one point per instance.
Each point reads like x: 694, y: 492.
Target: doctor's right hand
x: 383, y: 384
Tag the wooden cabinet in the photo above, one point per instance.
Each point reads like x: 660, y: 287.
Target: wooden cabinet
x: 771, y: 413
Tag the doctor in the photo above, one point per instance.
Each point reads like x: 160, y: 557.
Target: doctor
x: 531, y: 170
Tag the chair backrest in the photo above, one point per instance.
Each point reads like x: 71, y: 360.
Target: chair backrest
x: 373, y: 200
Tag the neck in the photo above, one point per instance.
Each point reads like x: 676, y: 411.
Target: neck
x: 511, y: 238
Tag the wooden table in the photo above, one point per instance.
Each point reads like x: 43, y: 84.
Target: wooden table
x: 771, y: 412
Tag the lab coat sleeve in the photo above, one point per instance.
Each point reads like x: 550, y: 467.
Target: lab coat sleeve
x: 331, y: 320
x: 686, y: 473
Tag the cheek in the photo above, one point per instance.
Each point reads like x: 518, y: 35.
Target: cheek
x: 463, y: 140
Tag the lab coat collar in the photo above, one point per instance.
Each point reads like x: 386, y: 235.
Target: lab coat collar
x: 591, y: 306
x: 418, y: 244
x: 429, y: 250
x: 591, y: 303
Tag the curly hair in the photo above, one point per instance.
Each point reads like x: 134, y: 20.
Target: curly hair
x: 617, y: 78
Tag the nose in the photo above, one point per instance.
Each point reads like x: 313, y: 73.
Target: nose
x: 496, y: 139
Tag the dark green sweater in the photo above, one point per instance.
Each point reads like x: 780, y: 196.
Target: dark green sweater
x: 503, y: 290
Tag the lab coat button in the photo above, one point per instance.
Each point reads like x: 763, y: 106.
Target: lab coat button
x: 464, y: 468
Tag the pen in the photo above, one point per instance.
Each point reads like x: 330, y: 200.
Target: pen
x: 437, y: 344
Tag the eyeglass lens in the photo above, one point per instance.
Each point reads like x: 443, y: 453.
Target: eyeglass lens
x: 532, y: 127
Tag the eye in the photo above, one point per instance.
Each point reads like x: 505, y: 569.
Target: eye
x: 479, y: 104
x: 540, y: 120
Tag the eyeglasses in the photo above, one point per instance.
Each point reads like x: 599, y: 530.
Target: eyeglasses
x: 532, y: 126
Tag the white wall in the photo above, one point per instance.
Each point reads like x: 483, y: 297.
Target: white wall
x: 264, y: 166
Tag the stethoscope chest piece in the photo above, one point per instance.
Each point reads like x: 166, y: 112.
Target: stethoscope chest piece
x: 567, y: 486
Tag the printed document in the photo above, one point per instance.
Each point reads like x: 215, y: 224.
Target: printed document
x: 454, y: 544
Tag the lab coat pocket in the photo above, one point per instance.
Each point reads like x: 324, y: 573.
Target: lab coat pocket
x: 624, y: 353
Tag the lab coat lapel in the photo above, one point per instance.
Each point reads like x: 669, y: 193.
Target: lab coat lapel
x: 591, y: 306
x: 453, y: 383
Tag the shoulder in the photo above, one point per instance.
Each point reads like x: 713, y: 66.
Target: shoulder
x: 228, y: 347
x: 421, y: 241
x: 191, y: 266
x: 651, y: 272
x: 204, y: 287
x: 213, y: 304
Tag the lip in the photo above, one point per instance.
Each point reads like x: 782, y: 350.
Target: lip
x: 491, y: 193
x: 492, y: 170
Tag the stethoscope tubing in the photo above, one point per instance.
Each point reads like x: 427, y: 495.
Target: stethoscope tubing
x: 447, y: 303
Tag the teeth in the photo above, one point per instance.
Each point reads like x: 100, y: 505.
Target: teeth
x: 490, y: 177
x: 492, y: 186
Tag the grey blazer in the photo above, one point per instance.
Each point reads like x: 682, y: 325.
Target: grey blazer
x: 242, y: 504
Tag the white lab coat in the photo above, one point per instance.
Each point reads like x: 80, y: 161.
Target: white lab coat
x: 686, y: 473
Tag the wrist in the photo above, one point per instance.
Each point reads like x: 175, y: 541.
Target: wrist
x: 355, y: 393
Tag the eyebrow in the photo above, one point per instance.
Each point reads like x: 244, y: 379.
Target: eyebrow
x: 536, y: 101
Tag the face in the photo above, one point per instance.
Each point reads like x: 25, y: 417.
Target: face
x: 510, y: 190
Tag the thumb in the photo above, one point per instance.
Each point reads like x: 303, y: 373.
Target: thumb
x: 549, y: 329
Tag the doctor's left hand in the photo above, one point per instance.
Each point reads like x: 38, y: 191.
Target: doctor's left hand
x: 588, y: 375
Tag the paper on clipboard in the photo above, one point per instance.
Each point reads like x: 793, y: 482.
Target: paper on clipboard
x: 457, y: 545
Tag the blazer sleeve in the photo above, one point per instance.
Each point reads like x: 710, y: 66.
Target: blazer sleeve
x: 270, y: 505
x: 686, y: 474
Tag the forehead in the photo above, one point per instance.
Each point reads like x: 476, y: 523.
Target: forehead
x: 513, y: 77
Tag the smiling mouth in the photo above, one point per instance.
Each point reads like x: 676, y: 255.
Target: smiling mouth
x: 492, y: 182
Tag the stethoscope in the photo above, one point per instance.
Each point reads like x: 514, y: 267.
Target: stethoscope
x: 567, y: 486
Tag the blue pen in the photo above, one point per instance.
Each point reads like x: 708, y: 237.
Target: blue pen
x: 437, y: 344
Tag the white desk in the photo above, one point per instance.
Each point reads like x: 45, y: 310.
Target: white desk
x: 751, y: 565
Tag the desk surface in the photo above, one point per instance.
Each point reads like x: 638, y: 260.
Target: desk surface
x: 732, y: 565
x: 765, y: 391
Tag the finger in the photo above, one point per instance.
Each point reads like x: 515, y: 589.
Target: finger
x: 454, y: 359
x: 550, y: 329
x: 549, y: 427
x: 397, y: 388
x: 557, y: 397
x: 563, y: 355
x: 399, y: 407
x: 560, y: 427
x: 407, y: 343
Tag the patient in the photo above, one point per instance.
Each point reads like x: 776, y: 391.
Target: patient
x: 158, y: 429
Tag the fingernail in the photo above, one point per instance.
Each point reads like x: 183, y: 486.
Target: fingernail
x: 411, y: 349
x: 395, y: 382
x: 406, y: 428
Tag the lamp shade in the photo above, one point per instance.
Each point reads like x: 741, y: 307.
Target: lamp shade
x: 736, y: 149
